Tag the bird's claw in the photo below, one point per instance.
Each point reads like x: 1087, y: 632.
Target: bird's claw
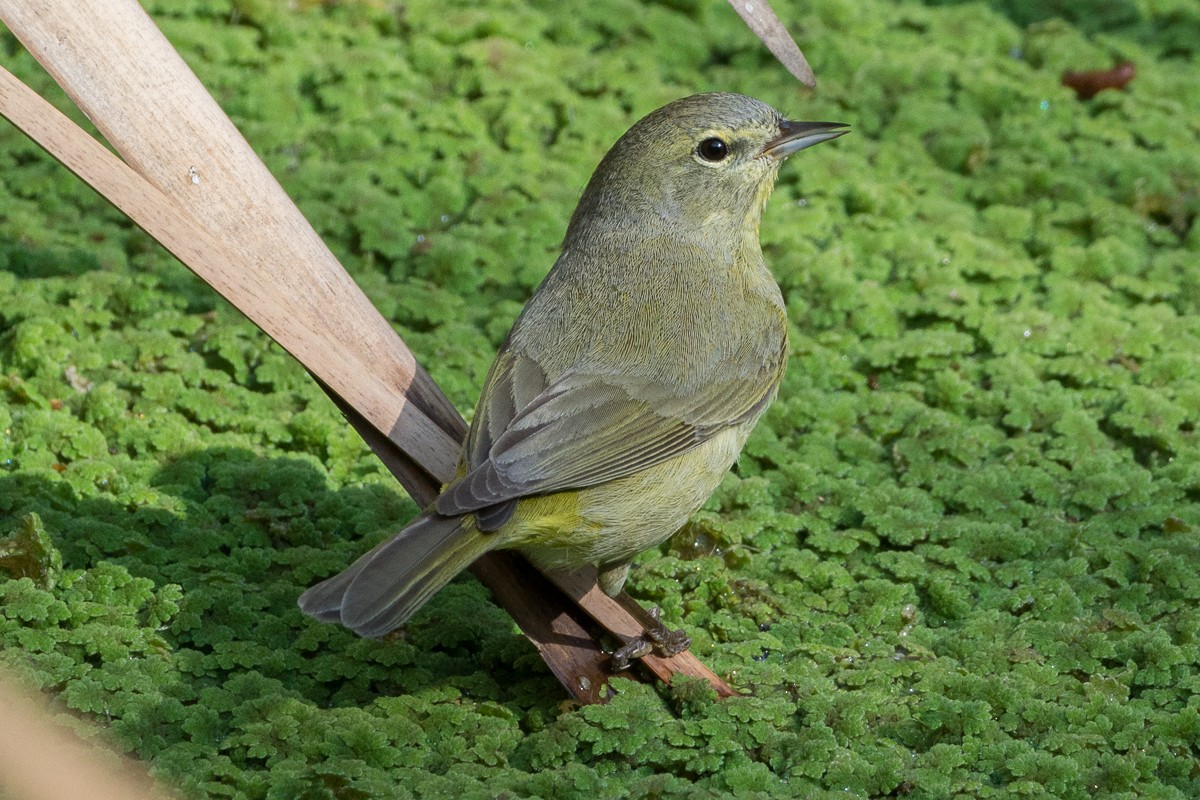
x: 634, y: 648
x: 657, y: 638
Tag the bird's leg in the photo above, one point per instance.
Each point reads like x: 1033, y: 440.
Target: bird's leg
x: 611, y: 577
x: 657, y: 638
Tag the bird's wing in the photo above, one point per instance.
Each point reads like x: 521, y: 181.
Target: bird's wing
x: 536, y: 437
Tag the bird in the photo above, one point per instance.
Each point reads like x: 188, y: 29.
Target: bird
x: 630, y: 381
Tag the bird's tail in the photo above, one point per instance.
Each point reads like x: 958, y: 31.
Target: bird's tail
x: 387, y: 585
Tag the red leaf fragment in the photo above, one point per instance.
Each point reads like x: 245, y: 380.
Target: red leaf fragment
x: 1087, y: 83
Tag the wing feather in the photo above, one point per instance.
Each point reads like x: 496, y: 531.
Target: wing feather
x: 583, y: 430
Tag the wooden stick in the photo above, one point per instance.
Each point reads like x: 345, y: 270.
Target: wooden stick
x: 760, y: 18
x: 198, y: 188
x: 123, y: 73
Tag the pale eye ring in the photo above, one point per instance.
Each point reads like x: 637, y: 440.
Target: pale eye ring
x: 713, y: 149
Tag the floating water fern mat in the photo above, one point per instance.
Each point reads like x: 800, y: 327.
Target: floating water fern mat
x: 959, y: 558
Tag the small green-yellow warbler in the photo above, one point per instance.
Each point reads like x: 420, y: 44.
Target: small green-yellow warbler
x: 628, y: 385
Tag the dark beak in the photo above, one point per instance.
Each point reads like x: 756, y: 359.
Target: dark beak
x: 795, y: 136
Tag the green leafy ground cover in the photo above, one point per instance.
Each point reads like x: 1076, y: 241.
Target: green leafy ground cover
x: 958, y: 559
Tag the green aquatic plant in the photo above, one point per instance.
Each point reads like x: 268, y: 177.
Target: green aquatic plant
x: 958, y: 558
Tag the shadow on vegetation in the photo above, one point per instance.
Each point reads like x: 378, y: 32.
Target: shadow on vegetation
x: 204, y: 571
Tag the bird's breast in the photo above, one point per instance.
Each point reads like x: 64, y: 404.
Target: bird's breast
x: 680, y: 310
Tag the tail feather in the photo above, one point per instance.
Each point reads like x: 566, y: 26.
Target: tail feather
x: 387, y: 585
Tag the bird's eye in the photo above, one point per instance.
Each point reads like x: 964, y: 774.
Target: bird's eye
x: 713, y: 149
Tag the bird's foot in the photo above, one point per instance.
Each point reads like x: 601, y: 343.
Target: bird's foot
x: 658, y: 639
x: 634, y: 648
x: 667, y: 642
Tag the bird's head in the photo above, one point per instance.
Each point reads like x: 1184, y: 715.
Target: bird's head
x: 703, y: 164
